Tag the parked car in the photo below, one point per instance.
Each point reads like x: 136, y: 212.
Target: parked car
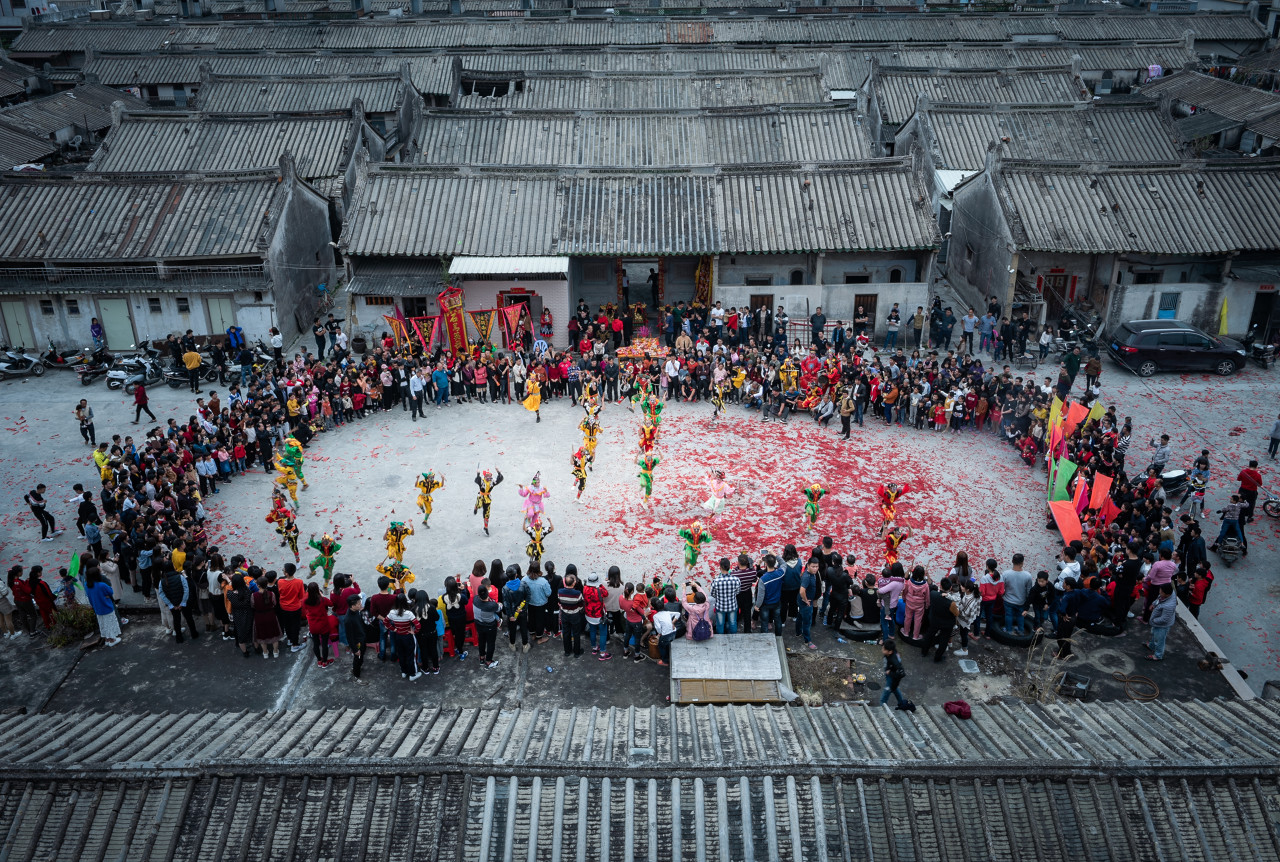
x: 1148, y: 346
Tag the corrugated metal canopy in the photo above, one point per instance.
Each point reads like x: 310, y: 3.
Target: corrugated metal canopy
x: 508, y: 265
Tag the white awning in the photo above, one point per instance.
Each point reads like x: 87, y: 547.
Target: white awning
x: 508, y: 266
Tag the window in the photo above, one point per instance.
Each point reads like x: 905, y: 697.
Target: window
x: 73, y: 307
x: 1168, y: 305
x: 472, y: 87
x: 184, y: 305
x: 257, y: 296
x: 895, y: 275
x: 46, y: 307
x: 1147, y: 277
x: 1171, y: 339
x: 379, y: 300
x: 757, y: 281
x: 1198, y: 341
x: 153, y: 304
x: 416, y: 306
x: 862, y: 278
x: 797, y: 276
x: 179, y: 97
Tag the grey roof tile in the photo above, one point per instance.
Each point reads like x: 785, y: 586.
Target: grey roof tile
x: 897, y: 90
x: 87, y: 106
x: 299, y: 95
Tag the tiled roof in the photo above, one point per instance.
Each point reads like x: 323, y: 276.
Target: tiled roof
x: 112, y: 217
x: 884, y: 29
x: 643, y: 140
x: 13, y: 77
x: 238, y: 95
x: 1087, y: 133
x: 871, y: 205
x: 1234, y: 101
x: 87, y: 106
x: 1163, y: 209
x: 199, y: 142
x: 1058, y: 783
x: 19, y: 148
x: 898, y: 89
x: 675, y: 91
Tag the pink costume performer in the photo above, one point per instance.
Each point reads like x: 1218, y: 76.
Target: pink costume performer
x: 720, y: 489
x: 534, y: 495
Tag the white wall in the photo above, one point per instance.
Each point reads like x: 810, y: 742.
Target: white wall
x: 837, y: 300
x: 554, y: 294
x: 1199, y: 304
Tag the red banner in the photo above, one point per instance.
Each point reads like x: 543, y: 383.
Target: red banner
x: 455, y: 320
x: 1064, y: 514
x: 430, y: 324
x: 511, y: 322
x: 1101, y: 491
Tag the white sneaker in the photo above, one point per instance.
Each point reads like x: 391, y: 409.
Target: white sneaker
x: 960, y: 652
x: 124, y: 622
x: 415, y: 676
x: 492, y: 664
x: 298, y: 647
x: 47, y: 539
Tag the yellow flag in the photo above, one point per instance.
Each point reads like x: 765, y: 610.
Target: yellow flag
x: 1097, y: 411
x: 1055, y: 412
x: 1222, y: 319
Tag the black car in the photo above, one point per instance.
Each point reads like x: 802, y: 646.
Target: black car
x: 1148, y: 346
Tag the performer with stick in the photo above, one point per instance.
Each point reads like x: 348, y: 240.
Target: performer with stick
x: 398, y: 572
x: 889, y: 495
x: 326, y: 549
x: 646, y: 462
x: 486, y: 481
x: 812, y: 495
x: 720, y: 489
x: 282, y: 516
x: 537, y: 533
x: 427, y: 485
x: 694, y: 535
x: 892, y: 541
x: 287, y: 479
x: 394, y: 537
x: 534, y: 495
x: 579, y: 462
x: 590, y: 429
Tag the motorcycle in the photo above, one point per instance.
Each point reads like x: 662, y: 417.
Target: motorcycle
x: 19, y: 363
x: 97, y: 366
x: 149, y: 373
x: 1272, y: 505
x: 67, y: 359
x: 261, y: 359
x: 1261, y: 354
x: 129, y: 367
x: 180, y: 378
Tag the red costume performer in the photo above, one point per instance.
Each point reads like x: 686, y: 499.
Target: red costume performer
x: 889, y: 495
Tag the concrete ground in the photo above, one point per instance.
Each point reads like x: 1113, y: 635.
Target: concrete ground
x: 968, y: 493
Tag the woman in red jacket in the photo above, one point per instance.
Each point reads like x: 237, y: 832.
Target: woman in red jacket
x: 42, y: 595
x: 24, y: 610
x: 320, y: 623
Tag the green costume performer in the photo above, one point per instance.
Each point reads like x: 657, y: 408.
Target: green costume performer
x: 326, y: 547
x: 646, y: 462
x: 292, y: 457
x: 653, y: 409
x: 812, y: 495
x: 694, y: 535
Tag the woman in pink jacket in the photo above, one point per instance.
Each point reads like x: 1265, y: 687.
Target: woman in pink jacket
x: 916, y: 597
x: 698, y: 609
x: 889, y: 589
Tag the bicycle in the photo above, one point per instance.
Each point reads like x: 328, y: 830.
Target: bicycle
x: 326, y: 298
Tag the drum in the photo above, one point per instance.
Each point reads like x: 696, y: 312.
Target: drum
x: 1173, y: 480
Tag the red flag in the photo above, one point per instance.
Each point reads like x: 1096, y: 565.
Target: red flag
x: 1080, y: 495
x: 1101, y: 490
x: 1107, y: 512
x: 1076, y: 412
x: 1064, y: 515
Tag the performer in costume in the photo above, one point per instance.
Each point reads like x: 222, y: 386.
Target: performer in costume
x: 533, y: 397
x: 646, y: 462
x: 653, y: 409
x: 537, y: 533
x: 720, y: 489
x: 892, y: 541
x: 292, y: 457
x: 427, y: 485
x: 545, y: 328
x: 889, y: 495
x: 287, y: 479
x: 717, y: 401
x: 282, y: 516
x: 484, y: 499
x: 394, y: 537
x: 398, y: 572
x: 579, y: 462
x: 788, y: 374
x: 326, y: 548
x: 694, y: 535
x: 534, y: 495
x: 812, y: 495
x: 648, y: 435
x: 590, y: 429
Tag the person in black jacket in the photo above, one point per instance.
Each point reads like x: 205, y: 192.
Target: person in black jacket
x: 943, y: 613
x: 354, y: 627
x: 893, y: 676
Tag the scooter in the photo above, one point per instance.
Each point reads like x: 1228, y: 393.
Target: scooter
x: 19, y: 363
x: 67, y: 359
x: 1272, y: 505
x: 97, y: 366
x: 1261, y: 354
x: 149, y: 373
x: 127, y: 367
x: 261, y: 359
x: 178, y: 379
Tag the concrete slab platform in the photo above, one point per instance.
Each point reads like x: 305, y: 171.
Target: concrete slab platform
x: 744, y: 656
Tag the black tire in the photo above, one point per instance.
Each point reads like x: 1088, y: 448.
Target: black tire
x: 175, y: 383
x: 1272, y: 508
x: 130, y: 388
x: 113, y: 383
x: 1225, y: 368
x: 1000, y: 635
x: 903, y: 638
x: 1147, y: 367
x: 1104, y: 628
x: 211, y: 374
x: 38, y: 369
x: 85, y: 379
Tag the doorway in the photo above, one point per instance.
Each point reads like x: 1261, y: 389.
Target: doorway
x: 222, y: 315
x: 16, y: 324
x: 114, y: 315
x: 1264, y: 309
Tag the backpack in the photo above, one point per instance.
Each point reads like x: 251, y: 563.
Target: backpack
x: 701, y: 630
x: 594, y: 604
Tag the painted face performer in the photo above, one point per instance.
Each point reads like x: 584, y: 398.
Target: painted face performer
x: 579, y: 462
x: 533, y: 397
x: 720, y: 489
x: 534, y: 495
x: 325, y: 549
x: 486, y: 481
x: 537, y: 533
x: 653, y: 409
x: 427, y: 485
x: 717, y: 401
x: 282, y: 516
x: 394, y: 537
x: 646, y: 462
x: 812, y: 495
x: 398, y: 572
x: 292, y: 457
x: 287, y: 479
x: 892, y: 541
x: 590, y: 429
x: 648, y: 435
x: 889, y: 495
x: 694, y: 535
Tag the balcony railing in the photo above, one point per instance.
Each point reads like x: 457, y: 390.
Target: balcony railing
x: 130, y: 279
